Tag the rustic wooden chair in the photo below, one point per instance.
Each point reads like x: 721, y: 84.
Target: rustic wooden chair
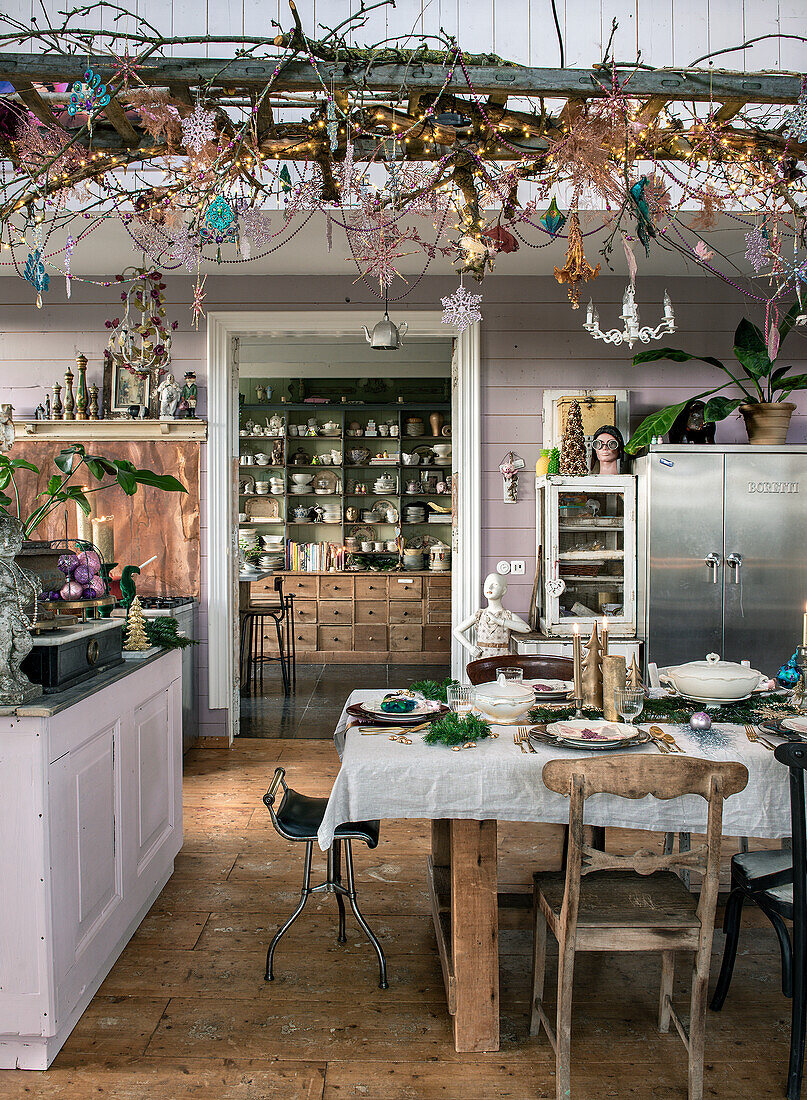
x: 484, y: 669
x: 637, y: 903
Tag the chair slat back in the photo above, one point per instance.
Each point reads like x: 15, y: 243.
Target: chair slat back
x: 664, y: 777
x: 483, y: 670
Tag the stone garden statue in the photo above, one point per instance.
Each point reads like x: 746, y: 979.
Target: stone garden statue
x: 18, y: 590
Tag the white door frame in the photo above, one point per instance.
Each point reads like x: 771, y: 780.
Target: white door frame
x: 222, y: 470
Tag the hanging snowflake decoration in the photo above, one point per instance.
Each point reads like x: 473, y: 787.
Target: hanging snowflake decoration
x: 307, y: 195
x: 36, y: 275
x: 184, y: 246
x: 255, y: 228
x: 332, y: 126
x: 376, y: 247
x: 461, y: 309
x: 346, y: 173
x: 796, y: 121
x: 757, y: 250
x: 198, y: 129
x: 70, y: 244
x: 148, y: 237
x: 197, y: 306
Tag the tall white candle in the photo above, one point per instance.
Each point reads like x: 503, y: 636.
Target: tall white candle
x: 84, y: 522
x: 103, y: 535
x: 604, y: 636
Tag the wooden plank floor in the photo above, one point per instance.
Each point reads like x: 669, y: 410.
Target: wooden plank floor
x: 185, y: 1013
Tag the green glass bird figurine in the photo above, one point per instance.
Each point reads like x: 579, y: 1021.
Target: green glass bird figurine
x: 127, y: 584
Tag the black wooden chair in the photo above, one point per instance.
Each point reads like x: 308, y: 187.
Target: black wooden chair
x: 255, y: 652
x: 775, y: 881
x: 298, y: 818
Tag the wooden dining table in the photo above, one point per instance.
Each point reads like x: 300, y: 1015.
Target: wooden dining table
x: 466, y: 794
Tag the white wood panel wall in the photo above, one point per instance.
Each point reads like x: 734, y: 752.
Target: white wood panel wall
x: 668, y: 32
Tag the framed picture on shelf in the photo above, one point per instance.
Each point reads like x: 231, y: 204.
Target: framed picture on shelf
x: 123, y: 388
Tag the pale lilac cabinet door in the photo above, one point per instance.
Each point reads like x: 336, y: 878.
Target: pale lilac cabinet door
x: 154, y: 761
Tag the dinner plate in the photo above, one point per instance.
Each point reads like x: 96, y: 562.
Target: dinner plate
x: 578, y: 732
x: 795, y: 725
x: 550, y: 689
x: 423, y: 708
x: 378, y: 718
x: 539, y: 736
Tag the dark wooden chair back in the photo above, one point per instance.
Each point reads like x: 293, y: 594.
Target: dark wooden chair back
x: 484, y: 670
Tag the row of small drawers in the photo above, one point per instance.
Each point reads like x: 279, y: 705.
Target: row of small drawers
x: 345, y: 587
x: 311, y: 613
x: 407, y: 638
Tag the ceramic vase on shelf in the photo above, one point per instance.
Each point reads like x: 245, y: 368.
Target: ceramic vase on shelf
x: 768, y: 423
x: 436, y: 420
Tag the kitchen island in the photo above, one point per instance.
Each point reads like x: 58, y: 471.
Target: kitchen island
x: 91, y: 818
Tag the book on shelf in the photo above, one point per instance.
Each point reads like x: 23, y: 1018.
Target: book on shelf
x: 315, y: 557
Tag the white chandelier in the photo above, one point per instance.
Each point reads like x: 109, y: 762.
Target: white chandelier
x: 631, y: 331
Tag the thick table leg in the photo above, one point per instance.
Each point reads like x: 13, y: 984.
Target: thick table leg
x: 475, y: 935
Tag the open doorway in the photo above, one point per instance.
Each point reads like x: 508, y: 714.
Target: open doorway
x: 345, y: 505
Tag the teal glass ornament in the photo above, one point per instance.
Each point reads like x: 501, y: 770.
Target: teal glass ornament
x: 36, y: 275
x: 552, y: 220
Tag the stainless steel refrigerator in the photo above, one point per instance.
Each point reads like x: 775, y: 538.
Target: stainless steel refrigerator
x: 722, y: 545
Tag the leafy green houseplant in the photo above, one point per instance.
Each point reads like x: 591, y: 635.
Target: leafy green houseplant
x: 763, y: 385
x: 60, y: 490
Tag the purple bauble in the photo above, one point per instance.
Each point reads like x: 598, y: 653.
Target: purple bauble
x: 700, y: 720
x: 82, y: 574
x: 87, y: 593
x: 72, y: 590
x: 98, y: 586
x: 54, y: 594
x: 90, y: 560
x: 67, y: 563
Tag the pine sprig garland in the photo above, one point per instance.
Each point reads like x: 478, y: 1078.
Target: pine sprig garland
x: 680, y: 710
x: 432, y: 689
x: 452, y: 730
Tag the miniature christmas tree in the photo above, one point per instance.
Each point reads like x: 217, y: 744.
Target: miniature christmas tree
x: 573, y: 448
x: 554, y: 461
x: 634, y: 676
x: 136, y: 637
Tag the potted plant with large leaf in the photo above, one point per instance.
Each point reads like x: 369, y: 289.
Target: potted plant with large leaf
x: 763, y: 385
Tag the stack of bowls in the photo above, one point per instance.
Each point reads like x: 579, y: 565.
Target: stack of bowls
x: 415, y: 513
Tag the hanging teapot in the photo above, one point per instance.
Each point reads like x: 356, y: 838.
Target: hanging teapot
x: 385, y: 335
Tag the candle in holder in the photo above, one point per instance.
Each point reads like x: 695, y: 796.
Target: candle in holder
x: 103, y: 535
x: 604, y: 636
x: 83, y: 522
x: 804, y: 628
x: 578, y: 663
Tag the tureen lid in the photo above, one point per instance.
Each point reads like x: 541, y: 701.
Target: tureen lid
x: 713, y: 666
x: 512, y: 690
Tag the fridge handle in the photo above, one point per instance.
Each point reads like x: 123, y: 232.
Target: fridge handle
x: 712, y: 561
x: 734, y: 562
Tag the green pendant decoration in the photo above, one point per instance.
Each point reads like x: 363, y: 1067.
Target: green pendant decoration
x: 552, y: 219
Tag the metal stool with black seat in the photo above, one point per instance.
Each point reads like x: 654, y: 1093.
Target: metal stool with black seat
x: 776, y: 881
x: 253, y: 653
x: 298, y: 818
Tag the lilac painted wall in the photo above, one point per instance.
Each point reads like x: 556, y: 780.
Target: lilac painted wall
x: 530, y: 340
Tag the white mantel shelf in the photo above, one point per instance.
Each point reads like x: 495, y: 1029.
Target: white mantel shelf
x: 81, y: 431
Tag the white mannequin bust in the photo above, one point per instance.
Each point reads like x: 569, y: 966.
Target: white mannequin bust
x: 494, y: 623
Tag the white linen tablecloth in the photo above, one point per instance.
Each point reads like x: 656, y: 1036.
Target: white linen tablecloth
x: 383, y: 779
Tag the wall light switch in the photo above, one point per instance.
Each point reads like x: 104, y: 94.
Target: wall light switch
x: 503, y: 567
x: 518, y: 568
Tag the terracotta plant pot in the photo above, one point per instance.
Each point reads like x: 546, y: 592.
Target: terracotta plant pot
x: 767, y: 423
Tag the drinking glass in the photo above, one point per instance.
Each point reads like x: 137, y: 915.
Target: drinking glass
x: 460, y: 698
x: 512, y: 673
x: 629, y: 702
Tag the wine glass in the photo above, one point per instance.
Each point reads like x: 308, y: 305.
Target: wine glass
x: 460, y: 699
x: 512, y: 672
x: 629, y: 702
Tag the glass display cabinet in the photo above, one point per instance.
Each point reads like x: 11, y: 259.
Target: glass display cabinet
x: 586, y: 535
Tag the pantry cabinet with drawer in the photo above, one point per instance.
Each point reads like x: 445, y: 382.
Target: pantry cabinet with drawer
x: 365, y: 617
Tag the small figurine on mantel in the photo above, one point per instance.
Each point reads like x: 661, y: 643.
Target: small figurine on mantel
x: 190, y: 393
x: 607, y: 450
x: 169, y: 393
x: 494, y: 623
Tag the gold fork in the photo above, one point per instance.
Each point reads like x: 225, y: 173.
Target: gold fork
x: 524, y: 734
x: 517, y: 740
x: 657, y: 741
x: 755, y: 738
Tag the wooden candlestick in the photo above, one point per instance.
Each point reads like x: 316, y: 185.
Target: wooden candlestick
x: 613, y: 677
x: 634, y: 676
x: 58, y: 407
x: 592, y: 673
x: 69, y: 400
x: 82, y: 397
x: 93, y: 413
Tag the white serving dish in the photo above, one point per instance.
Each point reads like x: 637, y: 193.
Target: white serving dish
x: 504, y: 702
x: 713, y: 680
x: 302, y: 479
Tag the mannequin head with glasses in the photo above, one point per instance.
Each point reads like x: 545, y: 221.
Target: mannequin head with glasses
x: 607, y: 451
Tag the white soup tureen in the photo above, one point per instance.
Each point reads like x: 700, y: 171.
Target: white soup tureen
x: 504, y: 701
x: 713, y: 680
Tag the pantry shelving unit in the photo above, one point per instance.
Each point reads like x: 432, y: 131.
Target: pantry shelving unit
x: 347, y: 473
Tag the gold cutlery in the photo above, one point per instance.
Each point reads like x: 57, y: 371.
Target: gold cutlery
x: 518, y: 741
x: 372, y: 731
x: 657, y: 741
x: 667, y: 738
x: 524, y: 734
x: 755, y: 738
